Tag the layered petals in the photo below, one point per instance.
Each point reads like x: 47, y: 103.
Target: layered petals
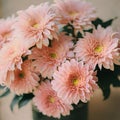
x: 24, y: 80
x: 36, y: 25
x: 47, y: 59
x: 49, y: 103
x: 76, y: 12
x: 98, y: 48
x: 74, y: 81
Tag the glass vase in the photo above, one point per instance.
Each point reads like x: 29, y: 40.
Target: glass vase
x: 80, y: 112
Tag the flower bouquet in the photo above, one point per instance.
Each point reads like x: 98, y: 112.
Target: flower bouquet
x: 57, y: 55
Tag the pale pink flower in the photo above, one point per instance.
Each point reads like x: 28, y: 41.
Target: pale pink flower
x: 49, y: 103
x: 76, y: 12
x: 6, y: 30
x: 74, y: 81
x: 25, y: 80
x: 47, y: 59
x: 11, y: 57
x: 99, y: 47
x: 36, y: 25
x: 117, y: 58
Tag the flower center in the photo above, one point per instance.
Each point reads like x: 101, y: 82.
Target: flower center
x: 51, y: 99
x: 6, y: 35
x: 53, y: 55
x: 36, y: 26
x: 73, y: 14
x: 21, y: 75
x: 98, y: 49
x: 75, y: 82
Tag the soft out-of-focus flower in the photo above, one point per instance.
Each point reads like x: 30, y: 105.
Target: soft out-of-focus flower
x: 24, y: 80
x: 117, y: 58
x: 49, y: 103
x: 76, y: 12
x: 6, y: 30
x: 37, y: 25
x: 74, y: 81
x: 99, y: 47
x: 47, y: 59
x: 11, y: 57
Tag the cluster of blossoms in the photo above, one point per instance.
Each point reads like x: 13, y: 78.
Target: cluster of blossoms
x: 37, y: 57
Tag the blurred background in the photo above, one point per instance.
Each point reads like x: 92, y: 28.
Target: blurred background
x: 98, y: 108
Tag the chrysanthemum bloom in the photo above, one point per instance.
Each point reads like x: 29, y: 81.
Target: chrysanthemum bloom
x: 117, y: 58
x: 37, y: 25
x: 11, y: 57
x: 76, y: 12
x: 99, y: 47
x: 47, y: 59
x: 49, y: 103
x: 25, y: 80
x: 74, y: 81
x: 6, y: 30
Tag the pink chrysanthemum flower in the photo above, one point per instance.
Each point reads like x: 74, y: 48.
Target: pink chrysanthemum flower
x: 6, y: 30
x: 11, y: 57
x: 47, y: 59
x: 74, y: 81
x: 99, y: 47
x: 76, y: 12
x: 37, y: 25
x: 117, y: 58
x: 49, y: 103
x: 25, y: 80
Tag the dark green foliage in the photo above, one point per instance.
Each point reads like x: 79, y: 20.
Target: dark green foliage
x: 90, y: 30
x: 25, y: 99
x: 105, y: 24
x: 69, y: 29
x: 1, y: 87
x: 15, y: 101
x: 106, y: 78
x: 79, y: 35
x: 21, y: 100
x: 5, y: 92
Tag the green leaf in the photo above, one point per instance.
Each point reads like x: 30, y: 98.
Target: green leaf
x: 90, y: 30
x: 97, y: 22
x: 106, y: 78
x: 25, y: 100
x: 15, y: 101
x: 116, y: 73
x: 2, y: 87
x: 108, y: 23
x: 105, y: 24
x: 79, y: 35
x: 106, y: 92
x: 7, y: 91
x: 69, y: 29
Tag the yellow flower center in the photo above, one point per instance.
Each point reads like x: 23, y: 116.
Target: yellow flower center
x: 53, y: 55
x: 73, y: 14
x: 51, y: 99
x: 36, y: 25
x: 75, y: 82
x: 98, y: 49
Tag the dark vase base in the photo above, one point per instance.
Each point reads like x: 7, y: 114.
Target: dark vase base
x: 80, y: 112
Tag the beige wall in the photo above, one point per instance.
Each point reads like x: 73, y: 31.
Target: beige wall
x: 98, y: 109
x: 0, y: 9
x: 11, y: 6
